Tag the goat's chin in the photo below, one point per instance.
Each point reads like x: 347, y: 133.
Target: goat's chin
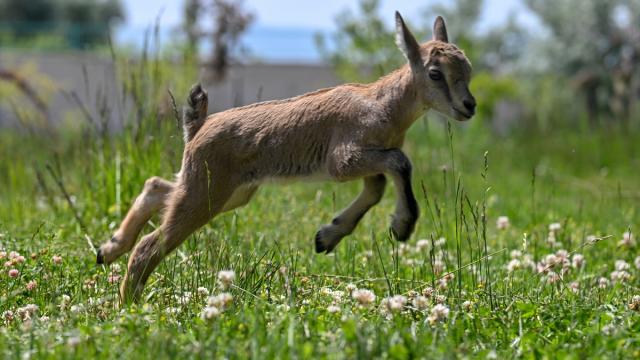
x: 459, y: 115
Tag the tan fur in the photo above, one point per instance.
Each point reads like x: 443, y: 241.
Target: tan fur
x: 344, y: 133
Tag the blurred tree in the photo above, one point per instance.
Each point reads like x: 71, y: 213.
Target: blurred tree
x: 363, y: 48
x: 597, y: 45
x: 229, y: 21
x: 192, y: 11
x: 82, y: 23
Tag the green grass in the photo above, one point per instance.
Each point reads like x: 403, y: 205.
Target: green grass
x: 464, y: 177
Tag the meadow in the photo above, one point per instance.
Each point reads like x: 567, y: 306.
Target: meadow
x: 526, y: 248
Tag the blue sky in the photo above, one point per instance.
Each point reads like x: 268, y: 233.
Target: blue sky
x: 284, y: 29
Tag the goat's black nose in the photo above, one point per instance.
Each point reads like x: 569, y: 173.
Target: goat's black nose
x: 470, y: 104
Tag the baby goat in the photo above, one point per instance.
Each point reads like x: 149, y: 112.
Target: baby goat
x: 343, y: 133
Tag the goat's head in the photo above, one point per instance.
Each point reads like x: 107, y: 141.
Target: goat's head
x: 441, y: 70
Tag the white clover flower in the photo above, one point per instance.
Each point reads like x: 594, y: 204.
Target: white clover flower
x: 220, y: 301
x: 363, y: 296
x: 350, y: 287
x: 76, y: 309
x: 527, y: 262
x: 577, y: 261
x: 422, y: 244
x: 502, y: 223
x: 555, y: 227
x: 438, y: 266
x: 574, y: 287
x: 552, y: 277
x: 438, y: 313
x: 203, y: 291
x: 603, y: 283
x: 515, y: 254
x: 620, y: 276
x: 44, y: 318
x: 514, y: 265
x: 395, y: 303
x: 440, y: 299
x: 226, y: 278
x: 421, y: 302
x: 627, y: 239
x: 467, y: 305
x: 333, y: 309
x: 428, y: 292
x: 440, y: 242
x: 622, y: 265
x: 210, y: 312
x: 73, y: 341
x: 635, y: 303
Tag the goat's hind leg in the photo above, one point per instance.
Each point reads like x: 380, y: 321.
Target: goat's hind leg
x: 329, y: 235
x: 151, y: 200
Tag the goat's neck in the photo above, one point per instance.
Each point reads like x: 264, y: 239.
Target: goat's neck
x: 400, y: 96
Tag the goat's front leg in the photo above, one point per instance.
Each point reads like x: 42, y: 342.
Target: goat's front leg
x: 352, y: 163
x: 343, y: 224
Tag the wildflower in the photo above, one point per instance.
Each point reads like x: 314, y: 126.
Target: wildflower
x: 210, y: 312
x: 627, y: 239
x: 333, y: 309
x: 44, y: 319
x: 620, y: 276
x: 635, y: 303
x: 515, y: 254
x: 440, y: 242
x: 577, y: 261
x: 552, y: 277
x: 555, y: 227
x: 527, y: 262
x: 428, y: 292
x: 27, y: 312
x: 226, y: 278
x: 203, y: 291
x: 574, y: 286
x: 421, y: 302
x: 622, y: 265
x: 513, y: 265
x: 438, y: 266
x: 20, y: 259
x: 440, y: 299
x: 467, y: 305
x: 609, y: 329
x: 603, y: 283
x: 76, y: 309
x: 73, y: 341
x: 438, y: 313
x: 13, y: 255
x: 56, y: 259
x: 8, y: 315
x: 350, y: 287
x: 502, y: 223
x: 422, y: 244
x: 31, y: 285
x: 8, y: 263
x: 113, y: 278
x: 13, y: 273
x: 221, y: 301
x: 3, y: 254
x: 395, y: 303
x: 363, y: 296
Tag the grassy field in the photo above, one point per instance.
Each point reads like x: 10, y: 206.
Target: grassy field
x: 554, y: 280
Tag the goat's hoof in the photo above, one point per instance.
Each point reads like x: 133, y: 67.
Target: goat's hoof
x: 99, y: 257
x: 326, y: 239
x: 401, y: 229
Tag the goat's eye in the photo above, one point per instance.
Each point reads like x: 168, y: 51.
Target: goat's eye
x: 435, y: 75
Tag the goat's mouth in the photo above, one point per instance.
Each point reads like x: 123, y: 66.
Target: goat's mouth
x: 465, y: 115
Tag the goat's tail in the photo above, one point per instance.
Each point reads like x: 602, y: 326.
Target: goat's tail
x: 195, y: 112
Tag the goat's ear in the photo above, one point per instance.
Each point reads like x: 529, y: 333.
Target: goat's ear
x: 407, y: 43
x: 440, y: 30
